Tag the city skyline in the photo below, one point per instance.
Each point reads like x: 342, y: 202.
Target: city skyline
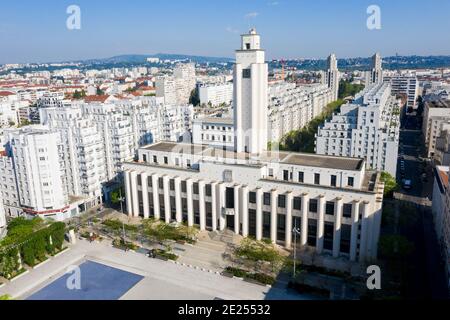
x: 27, y: 31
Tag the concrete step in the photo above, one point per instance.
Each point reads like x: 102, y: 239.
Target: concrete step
x: 211, y: 245
x: 209, y: 265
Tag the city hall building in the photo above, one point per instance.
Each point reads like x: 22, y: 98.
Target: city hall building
x: 333, y: 202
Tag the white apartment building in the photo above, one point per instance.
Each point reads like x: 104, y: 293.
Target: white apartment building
x: 292, y: 107
x: 110, y: 134
x: 407, y: 85
x: 116, y: 130
x: 215, y: 94
x: 368, y: 128
x: 176, y: 89
x: 436, y: 113
x: 334, y: 202
x: 214, y: 131
x: 39, y: 170
x: 83, y: 152
x: 331, y: 77
x: 442, y: 149
x: 441, y: 213
x: 375, y: 75
x: 52, y: 99
x: 8, y: 186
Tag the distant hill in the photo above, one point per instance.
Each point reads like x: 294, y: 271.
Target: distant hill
x: 363, y: 63
x: 140, y: 58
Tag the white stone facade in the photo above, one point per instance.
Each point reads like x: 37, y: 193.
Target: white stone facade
x: 39, y: 170
x: 368, y: 128
x: 436, y: 113
x: 406, y: 85
x: 215, y: 94
x: 334, y: 201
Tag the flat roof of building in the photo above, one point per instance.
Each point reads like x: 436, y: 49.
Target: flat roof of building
x: 215, y: 120
x: 294, y: 158
x: 177, y: 147
x: 314, y: 160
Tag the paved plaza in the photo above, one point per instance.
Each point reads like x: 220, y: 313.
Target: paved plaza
x: 161, y: 280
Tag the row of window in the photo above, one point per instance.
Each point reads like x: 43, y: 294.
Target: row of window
x: 267, y: 200
x: 288, y: 176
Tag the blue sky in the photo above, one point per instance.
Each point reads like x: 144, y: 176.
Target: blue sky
x: 35, y: 31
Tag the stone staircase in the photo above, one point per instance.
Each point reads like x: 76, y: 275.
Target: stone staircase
x: 225, y: 236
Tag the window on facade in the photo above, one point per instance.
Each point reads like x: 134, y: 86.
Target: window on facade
x: 155, y: 159
x: 329, y: 208
x: 252, y: 197
x: 313, y: 205
x: 312, y: 232
x: 301, y: 177
x: 166, y: 160
x: 317, y: 178
x: 183, y: 186
x: 208, y: 190
x: 347, y: 210
x: 333, y: 180
x: 328, y: 235
x: 285, y: 175
x: 297, y: 203
x: 172, y: 184
x: 351, y: 181
x: 195, y: 188
x: 246, y: 73
x: 282, y: 201
x: 266, y: 199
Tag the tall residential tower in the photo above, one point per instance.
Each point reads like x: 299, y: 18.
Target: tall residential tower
x: 331, y: 76
x: 375, y: 75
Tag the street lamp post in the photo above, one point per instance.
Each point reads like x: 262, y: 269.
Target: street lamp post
x: 295, y: 231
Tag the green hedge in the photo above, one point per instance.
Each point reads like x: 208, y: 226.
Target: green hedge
x: 166, y: 254
x: 31, y: 246
x: 260, y: 277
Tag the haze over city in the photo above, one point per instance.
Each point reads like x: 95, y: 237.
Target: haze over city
x: 32, y: 31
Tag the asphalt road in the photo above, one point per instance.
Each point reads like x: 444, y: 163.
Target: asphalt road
x: 426, y: 274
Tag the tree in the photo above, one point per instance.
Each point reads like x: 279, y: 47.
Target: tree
x: 79, y: 95
x: 100, y: 92
x: 395, y: 247
x: 194, y: 98
x: 303, y: 140
x: 390, y: 184
x: 115, y: 195
x: 346, y: 89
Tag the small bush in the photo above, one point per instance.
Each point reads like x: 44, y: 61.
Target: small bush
x: 166, y: 254
x: 236, y: 272
x: 262, y: 278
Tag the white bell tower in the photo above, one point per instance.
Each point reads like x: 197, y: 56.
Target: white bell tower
x: 250, y: 96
